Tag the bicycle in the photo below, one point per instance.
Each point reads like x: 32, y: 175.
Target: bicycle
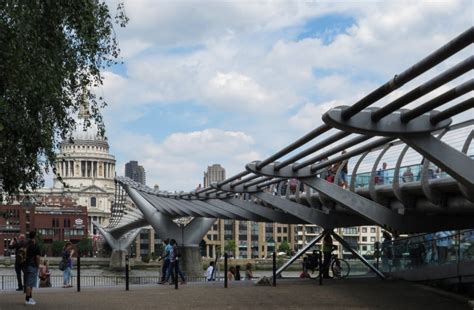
x: 339, y: 268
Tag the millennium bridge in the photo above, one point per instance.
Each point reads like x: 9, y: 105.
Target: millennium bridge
x: 408, y: 146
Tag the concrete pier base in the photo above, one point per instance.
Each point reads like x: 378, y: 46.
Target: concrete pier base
x: 190, y: 261
x: 117, y: 260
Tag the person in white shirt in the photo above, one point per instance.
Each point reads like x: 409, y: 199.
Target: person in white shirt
x: 210, y: 272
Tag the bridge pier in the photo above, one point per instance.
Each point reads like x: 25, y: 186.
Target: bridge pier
x: 117, y: 259
x: 119, y: 245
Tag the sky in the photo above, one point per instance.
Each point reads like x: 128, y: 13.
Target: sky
x: 229, y: 82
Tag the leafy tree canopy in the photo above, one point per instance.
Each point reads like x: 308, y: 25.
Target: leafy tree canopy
x: 284, y: 247
x: 51, y: 52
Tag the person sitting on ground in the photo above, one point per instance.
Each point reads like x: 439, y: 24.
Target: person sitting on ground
x: 231, y: 274
x: 304, y: 273
x: 248, y: 272
x: 44, y: 274
x: 210, y: 272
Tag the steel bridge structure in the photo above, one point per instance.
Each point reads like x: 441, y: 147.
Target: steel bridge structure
x: 420, y: 122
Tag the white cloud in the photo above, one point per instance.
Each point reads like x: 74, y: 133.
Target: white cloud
x: 242, y: 60
x: 178, y: 162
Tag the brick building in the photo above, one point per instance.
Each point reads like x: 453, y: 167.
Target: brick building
x: 55, y: 218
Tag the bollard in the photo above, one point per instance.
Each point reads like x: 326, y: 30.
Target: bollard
x: 225, y: 270
x: 176, y: 274
x: 320, y: 260
x: 274, y: 269
x: 126, y: 272
x: 78, y: 271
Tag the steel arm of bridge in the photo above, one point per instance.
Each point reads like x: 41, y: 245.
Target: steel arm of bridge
x: 311, y: 215
x: 118, y: 244
x: 302, y: 251
x: 161, y: 223
x: 171, y: 203
x: 356, y: 254
x: 247, y: 214
x: 276, y: 216
x: 456, y: 163
x: 119, y: 231
x: 385, y: 217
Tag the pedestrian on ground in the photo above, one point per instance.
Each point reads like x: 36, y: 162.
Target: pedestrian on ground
x: 166, y: 260
x: 237, y: 273
x: 44, y: 274
x: 443, y: 241
x: 408, y: 175
x: 248, y: 272
x: 210, y: 272
x: 231, y: 274
x: 328, y: 247
x: 31, y: 268
x: 387, y: 251
x: 19, y: 245
x: 175, y: 255
x: 68, y: 252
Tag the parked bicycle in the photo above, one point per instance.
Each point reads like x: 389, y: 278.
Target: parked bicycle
x: 338, y: 268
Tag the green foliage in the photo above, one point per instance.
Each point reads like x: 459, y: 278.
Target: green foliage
x: 57, y: 247
x: 230, y: 246
x: 284, y: 247
x: 159, y: 248
x: 146, y: 259
x: 85, y: 246
x: 51, y: 52
x: 40, y: 242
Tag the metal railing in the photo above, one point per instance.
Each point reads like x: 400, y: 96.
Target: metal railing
x: 9, y: 282
x: 432, y: 249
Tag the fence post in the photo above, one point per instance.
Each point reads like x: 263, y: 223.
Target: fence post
x: 274, y: 269
x: 320, y: 260
x: 176, y: 273
x: 78, y: 271
x: 126, y: 272
x: 225, y: 270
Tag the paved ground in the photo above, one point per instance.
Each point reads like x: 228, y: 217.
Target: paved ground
x: 289, y: 294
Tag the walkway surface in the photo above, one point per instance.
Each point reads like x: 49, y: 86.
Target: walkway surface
x: 289, y: 294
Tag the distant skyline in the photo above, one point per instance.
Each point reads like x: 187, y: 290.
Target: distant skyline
x: 229, y: 82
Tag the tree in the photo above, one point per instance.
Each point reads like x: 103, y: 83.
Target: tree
x: 40, y: 242
x: 230, y: 246
x: 51, y: 53
x: 284, y: 247
x: 84, y: 246
x: 57, y: 247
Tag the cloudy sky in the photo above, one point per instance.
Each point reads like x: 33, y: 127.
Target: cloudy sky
x: 228, y: 82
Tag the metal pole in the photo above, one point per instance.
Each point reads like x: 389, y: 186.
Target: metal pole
x: 274, y: 269
x: 320, y: 261
x: 126, y: 273
x: 78, y: 271
x: 176, y: 273
x: 225, y: 270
